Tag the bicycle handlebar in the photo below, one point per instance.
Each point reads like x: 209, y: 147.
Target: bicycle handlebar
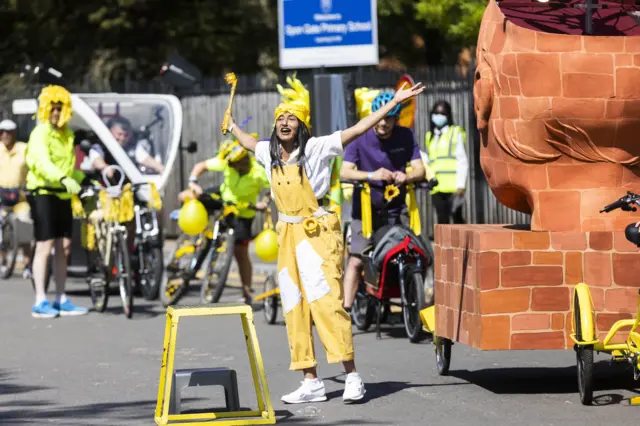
x: 420, y: 185
x: 624, y: 203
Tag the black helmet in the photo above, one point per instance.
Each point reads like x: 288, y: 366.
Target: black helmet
x: 632, y: 233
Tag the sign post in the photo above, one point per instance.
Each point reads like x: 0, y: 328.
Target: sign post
x: 327, y: 33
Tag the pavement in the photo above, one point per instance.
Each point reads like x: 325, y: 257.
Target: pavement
x: 102, y: 369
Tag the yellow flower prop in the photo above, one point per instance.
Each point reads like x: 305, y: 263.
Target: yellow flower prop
x: 295, y: 101
x: 55, y: 94
x: 310, y: 224
x: 365, y: 209
x: 391, y: 192
x: 364, y: 97
x: 88, y: 236
x: 125, y: 211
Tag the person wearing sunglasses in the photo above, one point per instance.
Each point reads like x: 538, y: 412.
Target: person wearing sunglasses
x: 12, y: 180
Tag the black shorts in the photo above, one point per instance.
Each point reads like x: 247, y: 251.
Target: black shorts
x: 241, y: 228
x: 52, y: 217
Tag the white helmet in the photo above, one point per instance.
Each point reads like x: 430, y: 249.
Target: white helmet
x: 8, y: 125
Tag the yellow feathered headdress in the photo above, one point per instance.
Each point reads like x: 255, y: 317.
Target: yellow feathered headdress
x: 295, y: 101
x: 55, y: 94
x: 364, y: 97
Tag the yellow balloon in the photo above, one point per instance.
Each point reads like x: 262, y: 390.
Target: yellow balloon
x: 193, y: 218
x: 267, y: 245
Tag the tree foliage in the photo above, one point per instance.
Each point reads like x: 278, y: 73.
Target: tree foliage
x: 111, y: 39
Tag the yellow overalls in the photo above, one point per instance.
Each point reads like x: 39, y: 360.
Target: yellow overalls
x: 309, y: 271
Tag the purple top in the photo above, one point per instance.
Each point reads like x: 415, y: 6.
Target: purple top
x: 369, y: 154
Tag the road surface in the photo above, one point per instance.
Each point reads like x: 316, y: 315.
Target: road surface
x: 103, y: 369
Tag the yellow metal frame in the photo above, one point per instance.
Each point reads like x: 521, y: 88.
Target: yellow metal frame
x: 265, y: 413
x: 624, y: 350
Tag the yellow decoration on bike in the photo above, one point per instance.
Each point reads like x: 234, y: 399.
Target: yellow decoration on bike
x: 76, y: 208
x: 414, y: 212
x: 267, y: 241
x: 156, y: 202
x: 365, y: 211
x: 88, y: 236
x: 125, y: 205
x: 391, y: 192
x: 193, y: 218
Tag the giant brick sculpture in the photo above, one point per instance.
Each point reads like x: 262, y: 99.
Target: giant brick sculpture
x: 559, y: 118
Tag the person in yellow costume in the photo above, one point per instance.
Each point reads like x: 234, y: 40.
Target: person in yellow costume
x: 243, y: 181
x: 51, y: 181
x: 310, y: 239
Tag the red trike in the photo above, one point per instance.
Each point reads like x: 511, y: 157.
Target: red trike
x: 395, y: 267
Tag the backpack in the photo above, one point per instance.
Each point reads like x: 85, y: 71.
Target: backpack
x: 388, y: 237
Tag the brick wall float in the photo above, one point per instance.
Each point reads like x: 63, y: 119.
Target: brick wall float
x: 498, y: 287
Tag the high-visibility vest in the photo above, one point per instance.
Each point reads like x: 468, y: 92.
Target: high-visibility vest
x: 443, y: 158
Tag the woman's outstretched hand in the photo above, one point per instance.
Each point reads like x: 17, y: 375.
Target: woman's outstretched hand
x: 402, y: 96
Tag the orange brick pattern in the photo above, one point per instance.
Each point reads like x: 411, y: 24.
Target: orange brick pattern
x: 559, y: 118
x: 498, y: 288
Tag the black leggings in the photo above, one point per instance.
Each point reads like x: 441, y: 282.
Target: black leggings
x: 443, y: 203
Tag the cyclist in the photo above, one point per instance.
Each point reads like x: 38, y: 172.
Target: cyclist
x: 51, y: 159
x: 12, y: 178
x: 310, y: 238
x: 382, y: 155
x: 243, y: 181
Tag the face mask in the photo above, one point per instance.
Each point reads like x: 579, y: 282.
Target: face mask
x: 439, y: 119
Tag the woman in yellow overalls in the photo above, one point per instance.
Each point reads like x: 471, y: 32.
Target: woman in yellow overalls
x: 310, y: 239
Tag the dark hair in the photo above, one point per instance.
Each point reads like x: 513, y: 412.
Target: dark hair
x: 274, y: 147
x: 447, y: 108
x: 120, y: 122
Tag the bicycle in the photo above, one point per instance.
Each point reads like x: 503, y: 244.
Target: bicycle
x: 8, y: 234
x: 214, y: 248
x: 105, y: 238
x: 148, y: 259
x: 583, y: 327
x: 397, y: 272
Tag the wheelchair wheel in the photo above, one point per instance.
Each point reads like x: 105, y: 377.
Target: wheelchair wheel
x: 270, y: 303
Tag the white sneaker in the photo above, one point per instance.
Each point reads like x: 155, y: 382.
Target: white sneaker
x: 353, y: 388
x: 309, y: 391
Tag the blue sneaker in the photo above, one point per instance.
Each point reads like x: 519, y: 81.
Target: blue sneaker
x: 44, y: 310
x: 68, y: 309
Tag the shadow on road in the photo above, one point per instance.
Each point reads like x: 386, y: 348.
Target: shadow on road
x: 377, y: 390
x: 7, y: 388
x: 550, y: 380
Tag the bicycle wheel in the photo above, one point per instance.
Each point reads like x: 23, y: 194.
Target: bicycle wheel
x: 123, y: 274
x: 97, y: 280
x: 151, y: 271
x: 8, y: 245
x: 443, y: 354
x: 584, y: 360
x: 414, y: 296
x: 185, y: 262
x: 217, y: 271
x: 362, y: 310
x: 270, y: 303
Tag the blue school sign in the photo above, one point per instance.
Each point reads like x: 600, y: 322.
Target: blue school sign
x: 329, y: 33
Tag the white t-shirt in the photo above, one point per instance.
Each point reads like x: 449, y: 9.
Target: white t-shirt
x: 318, y: 152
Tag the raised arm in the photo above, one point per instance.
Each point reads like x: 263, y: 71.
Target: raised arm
x: 246, y: 140
x: 352, y: 133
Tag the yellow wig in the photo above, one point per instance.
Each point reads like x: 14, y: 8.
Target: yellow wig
x: 55, y: 94
x: 295, y: 101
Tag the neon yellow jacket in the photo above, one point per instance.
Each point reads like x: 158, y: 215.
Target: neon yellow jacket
x: 240, y: 189
x: 50, y: 157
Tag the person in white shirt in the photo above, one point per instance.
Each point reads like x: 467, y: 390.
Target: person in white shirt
x: 447, y: 156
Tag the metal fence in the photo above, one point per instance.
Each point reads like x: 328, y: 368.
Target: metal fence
x: 204, y: 107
